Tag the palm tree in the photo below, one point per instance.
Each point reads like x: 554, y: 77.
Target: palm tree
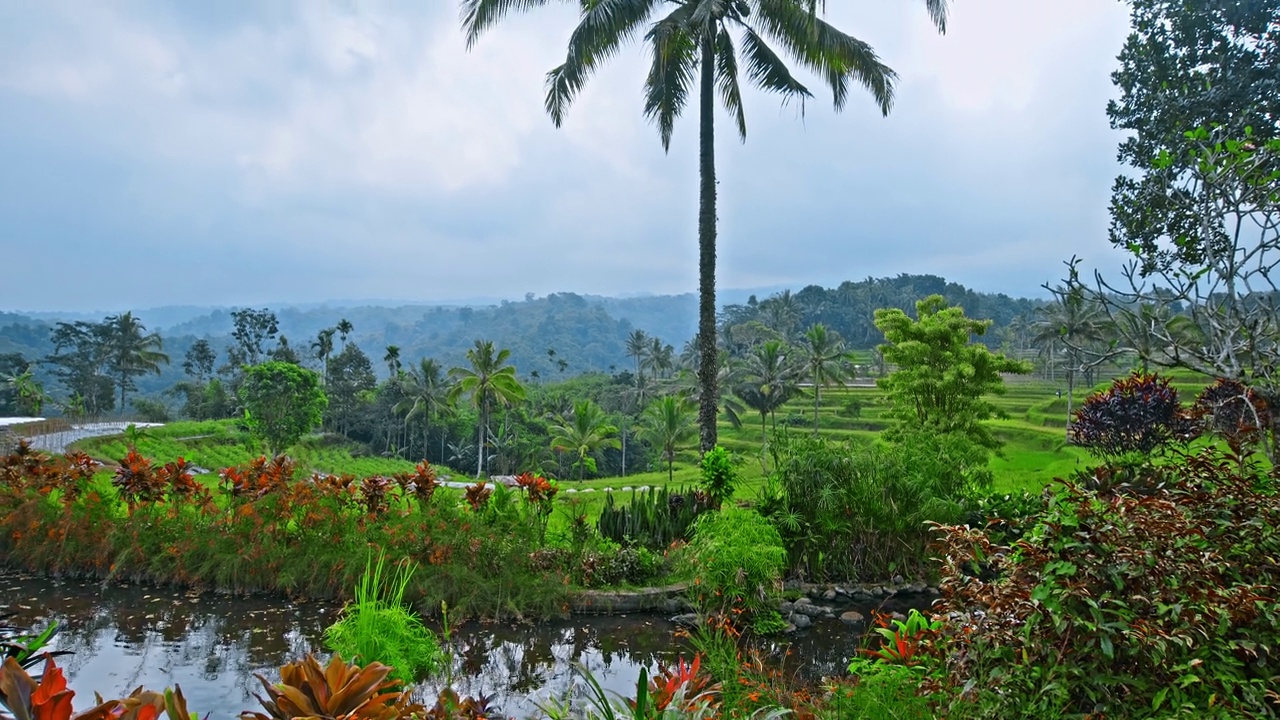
x: 392, y: 359
x: 487, y: 382
x: 1074, y: 321
x: 668, y: 424
x: 769, y: 379
x: 637, y: 346
x: 824, y: 360
x: 323, y: 349
x: 426, y: 395
x: 29, y: 392
x: 131, y: 353
x: 659, y: 357
x: 584, y: 431
x: 691, y: 41
x: 344, y: 329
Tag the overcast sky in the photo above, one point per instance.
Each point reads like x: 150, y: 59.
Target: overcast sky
x: 263, y: 151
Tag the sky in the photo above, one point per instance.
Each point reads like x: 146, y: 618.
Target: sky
x: 250, y: 152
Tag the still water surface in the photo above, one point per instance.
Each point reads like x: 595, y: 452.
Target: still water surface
x: 212, y: 645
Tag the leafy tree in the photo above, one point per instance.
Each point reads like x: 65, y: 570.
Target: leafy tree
x: 200, y: 361
x: 12, y: 365
x: 488, y: 382
x: 252, y: 329
x: 667, y: 424
x: 282, y: 402
x: 824, y: 355
x: 941, y: 378
x: 583, y: 432
x: 1186, y: 65
x: 130, y: 353
x: 694, y: 40
x: 79, y: 359
x: 350, y: 376
x: 28, y: 393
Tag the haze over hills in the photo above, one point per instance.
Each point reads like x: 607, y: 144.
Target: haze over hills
x: 557, y: 335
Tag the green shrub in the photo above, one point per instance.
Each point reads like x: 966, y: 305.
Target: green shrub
x: 1143, y: 605
x: 879, y: 690
x: 854, y: 511
x: 380, y: 627
x: 719, y: 476
x: 739, y: 561
x: 655, y: 517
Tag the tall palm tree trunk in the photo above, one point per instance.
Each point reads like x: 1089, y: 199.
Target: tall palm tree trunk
x: 817, y: 401
x: 707, y: 366
x: 482, y: 433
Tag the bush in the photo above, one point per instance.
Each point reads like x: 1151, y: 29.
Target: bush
x: 654, y: 518
x: 739, y: 560
x: 1232, y: 411
x: 1137, y: 605
x: 719, y: 476
x: 857, y: 512
x: 1138, y: 415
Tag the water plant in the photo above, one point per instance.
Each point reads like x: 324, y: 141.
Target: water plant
x: 340, y: 690
x: 379, y: 627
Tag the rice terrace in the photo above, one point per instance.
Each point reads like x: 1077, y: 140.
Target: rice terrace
x: 930, y: 404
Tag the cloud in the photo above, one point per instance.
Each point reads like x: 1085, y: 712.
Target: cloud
x: 242, y: 152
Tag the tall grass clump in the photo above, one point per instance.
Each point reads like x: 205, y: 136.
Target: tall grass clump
x: 380, y: 627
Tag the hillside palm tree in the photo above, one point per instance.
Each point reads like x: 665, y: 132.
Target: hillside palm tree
x: 659, y: 358
x: 488, y: 382
x: 668, y: 424
x: 692, y: 42
x: 1075, y: 322
x: 637, y: 347
x: 131, y: 351
x: 344, y: 328
x: 583, y: 432
x: 392, y: 359
x: 824, y: 357
x: 769, y: 379
x: 426, y: 396
x: 323, y: 350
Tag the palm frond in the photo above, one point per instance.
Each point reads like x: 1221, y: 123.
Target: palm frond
x: 834, y: 55
x: 938, y: 13
x: 479, y: 15
x: 727, y: 81
x: 672, y: 72
x: 603, y: 27
x: 768, y: 71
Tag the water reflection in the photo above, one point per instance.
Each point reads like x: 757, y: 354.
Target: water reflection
x: 122, y: 637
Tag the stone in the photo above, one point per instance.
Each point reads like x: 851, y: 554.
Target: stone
x: 803, y: 601
x: 852, y: 617
x: 801, y: 621
x: 897, y: 580
x: 810, y: 609
x: 786, y: 607
x: 829, y: 595
x: 687, y: 620
x: 918, y: 588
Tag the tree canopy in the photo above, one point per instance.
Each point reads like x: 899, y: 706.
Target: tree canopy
x: 282, y: 402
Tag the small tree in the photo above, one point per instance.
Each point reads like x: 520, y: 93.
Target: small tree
x: 281, y: 402
x: 941, y: 377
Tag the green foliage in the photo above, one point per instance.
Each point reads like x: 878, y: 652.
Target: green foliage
x: 719, y: 476
x: 942, y: 380
x: 879, y: 690
x: 583, y: 432
x: 1144, y: 605
x: 380, y: 627
x: 858, y: 511
x: 654, y: 518
x: 740, y: 560
x: 281, y: 402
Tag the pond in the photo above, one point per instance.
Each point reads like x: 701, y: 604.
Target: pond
x: 212, y: 645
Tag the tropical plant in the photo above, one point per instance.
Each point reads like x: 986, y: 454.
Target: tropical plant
x: 585, y: 431
x: 426, y: 396
x: 719, y: 478
x: 824, y: 355
x: 50, y: 698
x: 638, y: 348
x: 1137, y: 414
x: 335, y: 692
x: 693, y: 42
x: 392, y: 359
x: 740, y: 562
x: 323, y: 349
x: 654, y: 518
x: 667, y: 424
x: 770, y: 377
x: 1076, y: 323
x: 488, y: 382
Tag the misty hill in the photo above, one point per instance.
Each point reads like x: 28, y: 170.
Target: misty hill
x: 557, y: 335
